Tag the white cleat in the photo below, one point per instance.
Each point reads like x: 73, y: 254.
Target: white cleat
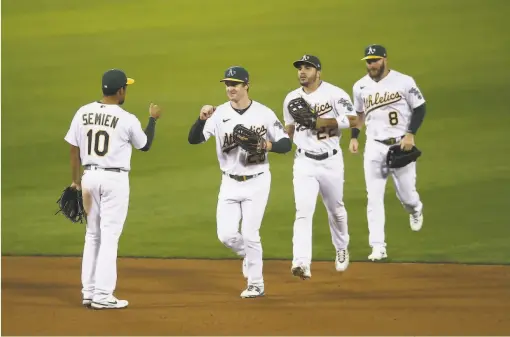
x: 342, y: 260
x: 378, y: 253
x: 86, y: 302
x: 245, y: 267
x: 416, y: 222
x: 301, y: 271
x: 253, y: 291
x: 109, y: 303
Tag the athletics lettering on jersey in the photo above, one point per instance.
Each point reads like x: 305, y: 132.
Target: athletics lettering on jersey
x: 322, y: 109
x: 232, y: 158
x: 228, y: 143
x: 95, y: 118
x: 228, y: 138
x: 378, y: 100
x: 329, y: 101
x: 388, y: 104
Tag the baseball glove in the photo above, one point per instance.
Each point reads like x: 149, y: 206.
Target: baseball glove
x: 397, y: 157
x: 70, y: 204
x: 249, y: 140
x: 302, y: 113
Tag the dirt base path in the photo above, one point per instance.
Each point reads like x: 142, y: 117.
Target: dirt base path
x: 41, y: 296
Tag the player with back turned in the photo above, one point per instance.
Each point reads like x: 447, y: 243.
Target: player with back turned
x: 101, y: 137
x: 393, y: 108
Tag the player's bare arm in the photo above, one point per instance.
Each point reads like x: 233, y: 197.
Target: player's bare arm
x: 333, y: 122
x: 353, y: 121
x: 417, y: 117
x: 196, y: 133
x: 355, y: 132
x: 290, y: 130
x: 75, y: 167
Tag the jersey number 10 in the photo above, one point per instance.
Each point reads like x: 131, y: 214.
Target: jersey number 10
x: 100, y: 139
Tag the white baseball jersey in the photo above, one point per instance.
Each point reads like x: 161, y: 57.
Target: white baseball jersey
x: 388, y: 104
x: 329, y: 101
x: 233, y: 159
x: 104, y: 133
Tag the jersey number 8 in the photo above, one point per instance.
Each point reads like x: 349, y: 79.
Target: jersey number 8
x: 101, y: 140
x: 393, y: 118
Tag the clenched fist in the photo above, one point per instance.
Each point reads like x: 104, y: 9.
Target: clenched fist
x: 206, y: 112
x: 154, y: 111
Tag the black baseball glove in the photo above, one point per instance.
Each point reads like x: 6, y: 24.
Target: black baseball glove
x: 70, y: 204
x: 249, y: 140
x: 303, y: 113
x: 397, y: 157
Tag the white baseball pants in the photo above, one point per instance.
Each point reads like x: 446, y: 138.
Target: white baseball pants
x: 310, y: 178
x: 376, y: 174
x: 107, y: 194
x: 244, y: 203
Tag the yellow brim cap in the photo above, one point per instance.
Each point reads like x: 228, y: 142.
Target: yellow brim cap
x: 371, y: 57
x: 232, y: 80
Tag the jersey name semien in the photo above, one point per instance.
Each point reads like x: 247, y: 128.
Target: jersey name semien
x: 105, y: 133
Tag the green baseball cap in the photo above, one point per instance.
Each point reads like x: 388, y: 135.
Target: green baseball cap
x: 374, y: 51
x: 236, y: 74
x: 310, y: 60
x: 114, y: 79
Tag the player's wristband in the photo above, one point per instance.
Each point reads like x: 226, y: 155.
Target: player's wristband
x: 355, y: 133
x: 282, y: 146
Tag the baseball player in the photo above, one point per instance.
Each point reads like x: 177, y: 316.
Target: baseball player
x: 318, y: 163
x: 246, y: 177
x: 101, y: 135
x: 393, y: 108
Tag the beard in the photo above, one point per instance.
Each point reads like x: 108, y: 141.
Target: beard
x: 305, y: 82
x: 378, y: 73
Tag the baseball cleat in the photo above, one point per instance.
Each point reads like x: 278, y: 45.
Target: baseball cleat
x: 109, y: 303
x: 378, y: 253
x: 416, y: 221
x: 245, y: 267
x: 302, y: 272
x: 86, y: 302
x: 253, y: 291
x: 342, y: 260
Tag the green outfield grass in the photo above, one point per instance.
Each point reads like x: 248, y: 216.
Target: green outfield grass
x: 55, y: 51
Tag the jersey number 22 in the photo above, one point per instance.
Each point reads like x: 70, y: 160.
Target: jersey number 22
x: 100, y: 139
